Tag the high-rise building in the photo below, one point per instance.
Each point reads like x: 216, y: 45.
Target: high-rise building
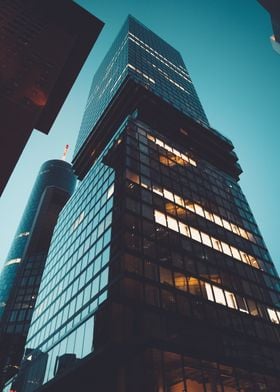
x: 43, y: 46
x: 157, y: 278
x: 273, y: 7
x: 21, y: 274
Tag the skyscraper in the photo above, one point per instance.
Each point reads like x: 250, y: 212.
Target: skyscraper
x: 21, y: 274
x: 273, y: 7
x: 42, y: 49
x: 157, y: 278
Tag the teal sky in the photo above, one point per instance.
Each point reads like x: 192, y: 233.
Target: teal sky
x: 225, y: 46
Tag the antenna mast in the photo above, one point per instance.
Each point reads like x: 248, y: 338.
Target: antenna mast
x: 65, y: 152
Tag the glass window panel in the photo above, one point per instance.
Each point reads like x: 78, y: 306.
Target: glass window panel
x: 216, y: 244
x: 235, y: 253
x: 180, y: 281
x: 195, y: 234
x: 172, y: 223
x: 217, y: 220
x: 206, y: 239
x: 194, y: 287
x: 219, y: 295
x: 158, y: 189
x: 199, y: 210
x: 179, y: 200
x: 132, y: 177
x: 184, y: 229
x: 272, y: 315
x: 231, y: 301
x: 189, y: 205
x: 160, y: 218
x: 226, y: 248
x: 241, y: 303
x: 168, y: 195
x: 209, y: 292
x: 209, y: 215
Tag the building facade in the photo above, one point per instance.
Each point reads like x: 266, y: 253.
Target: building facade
x: 42, y: 49
x: 273, y: 7
x: 157, y: 278
x: 21, y: 274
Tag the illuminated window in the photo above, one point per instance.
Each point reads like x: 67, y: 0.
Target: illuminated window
x: 168, y: 195
x: 184, y: 229
x: 208, y: 215
x: 179, y: 201
x: 231, y: 301
x: 160, y: 218
x: 217, y: 244
x: 172, y: 223
x: 226, y: 224
x: 189, y: 205
x: 235, y: 229
x: 273, y: 315
x: 206, y: 239
x: 226, y: 248
x: 219, y: 295
x: 195, y: 234
x: 244, y: 257
x: 209, y: 292
x: 180, y: 281
x: 199, y: 210
x: 217, y: 220
x: 253, y: 261
x: 235, y: 253
x: 132, y: 176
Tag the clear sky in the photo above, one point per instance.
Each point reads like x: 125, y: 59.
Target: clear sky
x: 225, y: 45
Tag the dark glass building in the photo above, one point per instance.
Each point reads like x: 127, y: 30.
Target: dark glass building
x: 21, y: 274
x: 43, y: 46
x: 157, y: 278
x: 273, y: 7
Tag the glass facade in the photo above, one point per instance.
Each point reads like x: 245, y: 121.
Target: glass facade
x: 21, y: 274
x: 158, y: 278
x: 75, y: 278
x: 139, y: 54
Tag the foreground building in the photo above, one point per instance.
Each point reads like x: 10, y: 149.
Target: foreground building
x: 273, y: 7
x: 42, y: 49
x: 21, y: 274
x: 157, y: 278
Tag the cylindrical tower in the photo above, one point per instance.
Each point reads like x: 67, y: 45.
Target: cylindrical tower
x: 53, y: 174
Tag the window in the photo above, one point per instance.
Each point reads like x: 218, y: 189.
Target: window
x: 180, y: 281
x: 206, y: 239
x: 184, y: 229
x: 160, y: 218
x: 231, y: 301
x: 219, y: 295
x: 272, y: 315
x: 195, y: 234
x: 172, y: 223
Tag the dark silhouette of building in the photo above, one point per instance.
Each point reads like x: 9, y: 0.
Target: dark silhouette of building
x: 157, y: 278
x: 21, y: 274
x: 273, y: 7
x: 43, y: 46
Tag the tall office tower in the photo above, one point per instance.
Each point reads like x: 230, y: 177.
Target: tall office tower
x: 43, y: 46
x: 157, y: 278
x: 273, y: 7
x: 21, y: 275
